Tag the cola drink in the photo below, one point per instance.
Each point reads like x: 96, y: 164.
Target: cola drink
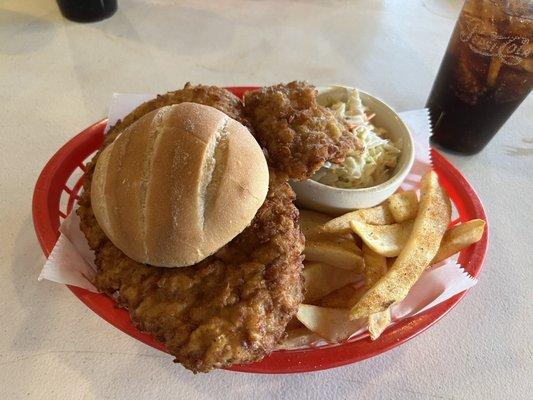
x: 486, y: 73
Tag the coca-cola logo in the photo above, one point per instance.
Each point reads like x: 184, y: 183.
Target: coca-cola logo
x: 511, y: 50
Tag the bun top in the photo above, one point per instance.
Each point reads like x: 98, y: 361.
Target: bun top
x: 178, y: 184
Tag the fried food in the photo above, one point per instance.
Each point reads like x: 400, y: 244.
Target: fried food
x: 230, y: 308
x: 403, y: 205
x: 312, y: 226
x: 328, y: 252
x: 378, y: 322
x: 345, y: 297
x: 379, y: 215
x: 375, y: 268
x: 386, y: 240
x: 312, y: 222
x: 322, y: 279
x: 298, y: 337
x: 433, y: 217
x: 298, y: 134
x: 333, y: 324
x: 458, y: 238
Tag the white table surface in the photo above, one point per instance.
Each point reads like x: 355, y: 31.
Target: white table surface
x: 56, y: 78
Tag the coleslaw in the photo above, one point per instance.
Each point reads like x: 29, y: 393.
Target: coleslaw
x: 374, y: 164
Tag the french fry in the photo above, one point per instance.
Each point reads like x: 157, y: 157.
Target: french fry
x: 346, y: 244
x: 429, y: 227
x: 345, y: 297
x: 413, y: 235
x: 312, y: 223
x: 378, y: 322
x: 379, y: 215
x: 321, y: 279
x: 403, y: 205
x: 458, y: 238
x: 386, y: 240
x: 329, y: 253
x: 340, y: 224
x: 293, y: 324
x: 333, y: 324
x: 298, y: 337
x: 375, y: 268
x: 312, y: 226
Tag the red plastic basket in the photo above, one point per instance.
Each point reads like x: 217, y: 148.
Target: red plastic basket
x: 53, y: 199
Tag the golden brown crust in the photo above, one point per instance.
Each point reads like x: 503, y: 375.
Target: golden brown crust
x: 298, y: 134
x: 232, y: 307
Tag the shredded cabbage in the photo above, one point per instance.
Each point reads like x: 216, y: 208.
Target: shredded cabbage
x: 374, y: 164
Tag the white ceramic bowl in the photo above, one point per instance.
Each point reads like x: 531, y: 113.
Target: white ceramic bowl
x: 319, y: 197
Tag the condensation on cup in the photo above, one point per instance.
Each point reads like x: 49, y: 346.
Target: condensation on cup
x: 486, y: 73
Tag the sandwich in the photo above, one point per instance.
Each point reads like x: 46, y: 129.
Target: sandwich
x: 192, y: 232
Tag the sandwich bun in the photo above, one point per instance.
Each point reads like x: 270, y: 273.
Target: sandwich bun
x: 178, y: 184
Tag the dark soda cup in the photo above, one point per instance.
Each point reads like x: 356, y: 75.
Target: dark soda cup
x: 87, y: 10
x: 486, y: 73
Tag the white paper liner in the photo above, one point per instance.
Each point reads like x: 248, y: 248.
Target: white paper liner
x: 71, y: 261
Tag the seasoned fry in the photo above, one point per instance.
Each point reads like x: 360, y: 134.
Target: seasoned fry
x: 332, y: 254
x: 454, y: 240
x: 293, y: 324
x: 321, y: 279
x: 458, y: 238
x: 403, y: 205
x: 347, y: 243
x: 312, y: 223
x: 340, y: 224
x: 375, y: 268
x: 399, y: 239
x: 378, y: 322
x: 333, y: 324
x: 386, y: 240
x: 429, y: 228
x: 345, y: 297
x: 379, y: 215
x: 298, y: 337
